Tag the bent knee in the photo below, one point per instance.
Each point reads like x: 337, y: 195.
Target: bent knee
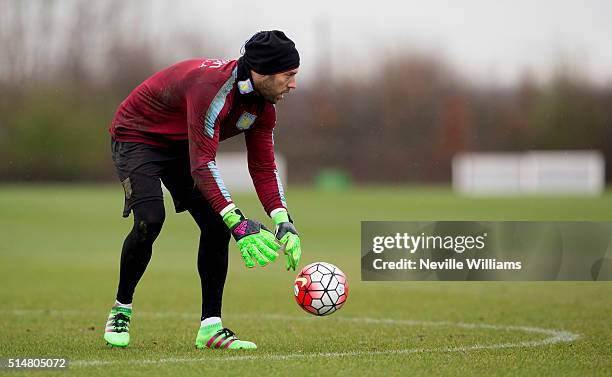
x: 148, y: 228
x: 148, y: 220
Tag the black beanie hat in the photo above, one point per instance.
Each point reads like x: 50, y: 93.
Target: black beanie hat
x: 270, y: 52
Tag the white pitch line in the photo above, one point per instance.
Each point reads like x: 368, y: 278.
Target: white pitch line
x: 553, y: 336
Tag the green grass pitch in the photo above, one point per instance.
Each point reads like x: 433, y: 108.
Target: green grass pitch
x: 59, y: 258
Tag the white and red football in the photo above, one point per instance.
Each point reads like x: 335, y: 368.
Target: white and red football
x: 320, y: 288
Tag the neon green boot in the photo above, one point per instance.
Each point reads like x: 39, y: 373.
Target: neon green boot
x: 117, y: 332
x: 215, y: 337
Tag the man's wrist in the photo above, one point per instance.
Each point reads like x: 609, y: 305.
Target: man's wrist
x: 226, y: 209
x: 233, y: 218
x: 280, y: 215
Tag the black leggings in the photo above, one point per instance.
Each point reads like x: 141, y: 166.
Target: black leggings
x: 212, y: 252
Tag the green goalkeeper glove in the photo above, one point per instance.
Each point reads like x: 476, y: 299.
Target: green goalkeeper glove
x: 254, y: 240
x: 289, y: 238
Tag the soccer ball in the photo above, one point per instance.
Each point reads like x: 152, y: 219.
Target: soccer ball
x: 320, y: 288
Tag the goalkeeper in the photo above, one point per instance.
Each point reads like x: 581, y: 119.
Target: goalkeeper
x: 167, y: 130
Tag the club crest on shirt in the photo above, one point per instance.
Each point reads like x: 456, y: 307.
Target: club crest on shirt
x: 245, y: 121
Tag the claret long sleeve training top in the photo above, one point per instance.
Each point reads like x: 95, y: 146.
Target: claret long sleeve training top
x: 205, y: 101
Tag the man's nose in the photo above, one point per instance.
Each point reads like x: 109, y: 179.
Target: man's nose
x: 292, y: 84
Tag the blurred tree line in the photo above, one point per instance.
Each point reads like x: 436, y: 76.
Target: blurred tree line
x: 406, y: 122
x: 66, y: 65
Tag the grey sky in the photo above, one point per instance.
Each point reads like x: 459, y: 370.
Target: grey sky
x: 485, y: 40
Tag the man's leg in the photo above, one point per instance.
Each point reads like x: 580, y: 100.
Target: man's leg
x: 212, y: 252
x: 214, y: 236
x: 138, y: 168
x: 212, y: 266
x: 212, y: 258
x: 135, y: 256
x: 138, y: 247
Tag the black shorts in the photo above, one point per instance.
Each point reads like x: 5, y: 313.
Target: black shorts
x: 141, y: 169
